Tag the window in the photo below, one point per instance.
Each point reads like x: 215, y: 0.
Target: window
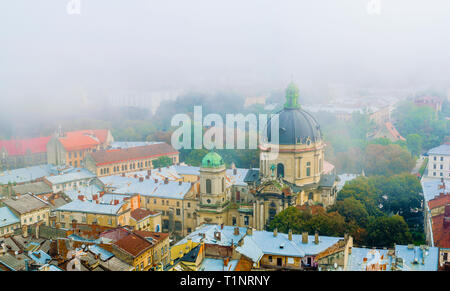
x: 280, y: 170
x: 234, y: 220
x: 308, y: 169
x: 142, y: 266
x: 270, y: 259
x: 178, y: 211
x: 208, y: 186
x: 246, y: 220
x: 189, y: 230
x: 178, y: 204
x: 189, y: 205
x: 442, y: 159
x: 434, y: 158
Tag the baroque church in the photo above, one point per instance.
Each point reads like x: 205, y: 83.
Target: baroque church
x: 297, y: 175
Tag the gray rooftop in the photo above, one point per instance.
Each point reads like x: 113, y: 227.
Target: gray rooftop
x: 25, y: 204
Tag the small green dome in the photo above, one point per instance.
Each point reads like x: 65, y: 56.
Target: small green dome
x: 212, y: 160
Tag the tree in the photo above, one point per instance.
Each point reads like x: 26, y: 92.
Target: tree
x: 387, y: 160
x: 162, y: 162
x: 414, y: 144
x: 385, y: 231
x: 352, y: 210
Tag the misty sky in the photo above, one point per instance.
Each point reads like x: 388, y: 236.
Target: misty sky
x: 49, y: 58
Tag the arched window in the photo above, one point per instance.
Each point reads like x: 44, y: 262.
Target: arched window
x: 280, y: 170
x: 310, y: 196
x: 208, y: 186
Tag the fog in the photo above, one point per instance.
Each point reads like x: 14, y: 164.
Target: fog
x: 52, y: 62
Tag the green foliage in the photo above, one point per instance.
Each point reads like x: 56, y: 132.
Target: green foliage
x: 352, y: 210
x: 387, y: 160
x: 162, y: 162
x: 414, y: 144
x: 384, y: 231
x: 421, y: 120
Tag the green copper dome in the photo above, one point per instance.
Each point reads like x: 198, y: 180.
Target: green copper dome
x: 212, y: 160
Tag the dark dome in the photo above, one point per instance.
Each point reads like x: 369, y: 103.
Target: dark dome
x: 295, y: 125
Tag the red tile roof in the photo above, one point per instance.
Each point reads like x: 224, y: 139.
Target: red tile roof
x: 133, y: 244
x: 19, y: 147
x: 438, y: 201
x: 393, y: 131
x: 441, y: 234
x: 140, y: 213
x: 83, y: 139
x: 134, y: 153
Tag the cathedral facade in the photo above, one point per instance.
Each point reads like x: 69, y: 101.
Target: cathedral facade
x: 297, y: 175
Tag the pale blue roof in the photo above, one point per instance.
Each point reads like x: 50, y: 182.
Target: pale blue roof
x: 344, y: 178
x: 90, y: 207
x: 412, y: 258
x: 210, y: 264
x: 430, y: 187
x: 187, y: 170
x: 148, y: 187
x: 442, y: 150
x: 74, y: 175
x: 265, y: 243
x: 104, y: 254
x: 131, y: 144
x: 87, y: 191
x: 7, y: 217
x: 51, y: 267
x: 374, y: 256
x: 27, y: 174
x: 226, y: 239
x: 43, y: 258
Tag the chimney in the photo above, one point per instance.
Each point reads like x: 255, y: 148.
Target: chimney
x: 159, y: 170
x: 221, y: 226
x: 141, y: 179
x: 217, y: 235
x: 236, y: 231
x: 316, y: 237
x: 74, y: 224
x: 123, y: 174
x: 147, y: 177
x: 116, y: 202
x: 81, y: 197
x: 102, y: 193
x: 249, y: 231
x: 166, y: 180
x: 149, y: 172
x: 156, y: 180
x: 95, y: 197
x: 275, y: 232
x: 290, y: 234
x: 179, y: 182
x: 304, y: 237
x: 235, y: 171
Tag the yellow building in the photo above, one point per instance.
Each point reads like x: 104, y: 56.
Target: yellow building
x: 29, y: 209
x: 146, y: 220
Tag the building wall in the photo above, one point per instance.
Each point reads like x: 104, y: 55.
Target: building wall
x: 435, y: 162
x: 34, y: 216
x: 271, y: 261
x: 124, y: 166
x: 8, y: 229
x: 295, y: 159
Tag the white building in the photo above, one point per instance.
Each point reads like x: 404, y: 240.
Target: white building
x: 439, y: 162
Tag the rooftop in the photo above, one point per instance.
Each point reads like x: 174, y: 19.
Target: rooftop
x: 140, y: 213
x: 83, y: 139
x: 227, y: 236
x: 443, y: 150
x: 90, y: 207
x: 7, y: 217
x: 19, y: 147
x: 27, y: 174
x: 74, y: 175
x: 25, y: 203
x: 35, y: 188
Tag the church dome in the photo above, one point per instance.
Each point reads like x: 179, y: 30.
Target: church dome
x: 212, y: 160
x: 295, y: 125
